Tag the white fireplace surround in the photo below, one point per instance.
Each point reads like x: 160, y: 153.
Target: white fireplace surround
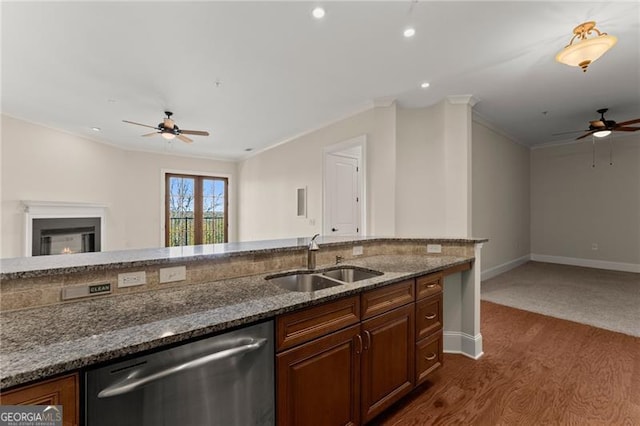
x: 61, y: 210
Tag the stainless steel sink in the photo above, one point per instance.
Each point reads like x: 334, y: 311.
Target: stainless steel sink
x: 351, y: 274
x: 303, y: 282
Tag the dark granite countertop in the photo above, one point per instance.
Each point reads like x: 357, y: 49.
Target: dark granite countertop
x: 28, y: 267
x: 41, y: 342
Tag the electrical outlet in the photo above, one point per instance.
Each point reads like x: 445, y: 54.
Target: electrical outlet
x: 594, y: 246
x: 434, y: 248
x: 131, y: 279
x: 358, y: 250
x: 177, y: 273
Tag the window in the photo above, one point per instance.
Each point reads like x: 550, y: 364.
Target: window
x: 195, y: 210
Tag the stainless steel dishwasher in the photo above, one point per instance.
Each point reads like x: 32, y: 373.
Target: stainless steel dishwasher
x: 222, y: 380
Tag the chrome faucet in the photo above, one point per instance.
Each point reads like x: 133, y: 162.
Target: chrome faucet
x: 311, y: 252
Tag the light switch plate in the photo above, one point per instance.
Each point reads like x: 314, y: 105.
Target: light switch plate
x: 358, y: 250
x: 434, y: 248
x: 177, y: 273
x: 131, y: 279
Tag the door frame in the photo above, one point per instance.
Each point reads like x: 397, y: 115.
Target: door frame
x: 360, y: 152
x: 231, y: 223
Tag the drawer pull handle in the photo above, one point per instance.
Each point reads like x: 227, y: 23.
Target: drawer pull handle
x: 430, y: 316
x: 367, y: 344
x: 430, y: 357
x: 359, y: 347
x: 431, y: 285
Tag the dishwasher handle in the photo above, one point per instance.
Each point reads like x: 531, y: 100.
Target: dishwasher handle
x: 132, y: 383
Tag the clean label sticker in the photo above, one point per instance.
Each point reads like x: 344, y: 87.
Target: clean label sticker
x: 30, y: 415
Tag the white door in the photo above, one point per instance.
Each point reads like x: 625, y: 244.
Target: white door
x: 342, y: 196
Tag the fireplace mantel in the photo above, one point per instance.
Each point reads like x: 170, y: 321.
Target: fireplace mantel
x: 60, y: 209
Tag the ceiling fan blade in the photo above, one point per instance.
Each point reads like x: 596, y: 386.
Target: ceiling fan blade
x: 150, y: 134
x: 140, y: 124
x: 184, y: 139
x: 627, y: 129
x: 624, y: 123
x: 568, y: 133
x: 168, y: 123
x: 586, y: 134
x: 194, y: 132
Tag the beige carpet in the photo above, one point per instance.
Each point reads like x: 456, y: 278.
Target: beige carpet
x: 601, y: 298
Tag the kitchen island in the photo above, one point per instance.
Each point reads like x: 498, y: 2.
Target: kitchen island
x: 65, y: 336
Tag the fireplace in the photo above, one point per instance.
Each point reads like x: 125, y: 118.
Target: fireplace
x: 63, y: 228
x: 65, y: 235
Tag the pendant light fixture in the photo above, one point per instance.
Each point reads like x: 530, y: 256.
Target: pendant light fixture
x: 585, y: 50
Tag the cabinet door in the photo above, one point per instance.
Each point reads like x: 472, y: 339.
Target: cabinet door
x: 387, y: 359
x: 318, y: 382
x: 61, y: 391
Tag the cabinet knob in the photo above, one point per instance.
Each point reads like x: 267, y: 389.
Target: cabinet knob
x: 430, y: 316
x: 334, y: 229
x: 430, y: 357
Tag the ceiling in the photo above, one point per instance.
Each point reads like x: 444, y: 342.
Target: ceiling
x: 256, y: 73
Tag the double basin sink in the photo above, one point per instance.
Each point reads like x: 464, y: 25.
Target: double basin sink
x: 307, y: 281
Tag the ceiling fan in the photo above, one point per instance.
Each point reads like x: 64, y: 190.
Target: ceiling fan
x: 604, y: 127
x: 169, y: 130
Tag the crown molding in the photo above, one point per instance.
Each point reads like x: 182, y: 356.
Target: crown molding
x: 463, y: 100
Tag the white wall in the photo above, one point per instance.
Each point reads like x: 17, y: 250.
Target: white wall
x: 421, y: 185
x: 268, y: 180
x: 43, y: 164
x: 501, y: 206
x: 433, y: 182
x: 575, y: 205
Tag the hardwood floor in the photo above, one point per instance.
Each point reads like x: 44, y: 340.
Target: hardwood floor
x: 536, y: 370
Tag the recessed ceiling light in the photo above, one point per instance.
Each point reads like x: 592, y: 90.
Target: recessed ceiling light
x: 409, y: 32
x: 425, y: 85
x: 318, y: 13
x: 96, y: 129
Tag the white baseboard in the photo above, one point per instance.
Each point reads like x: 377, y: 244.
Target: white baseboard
x: 456, y: 342
x: 588, y: 263
x: 497, y: 270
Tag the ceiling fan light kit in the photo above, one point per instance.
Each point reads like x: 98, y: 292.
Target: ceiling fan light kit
x: 602, y: 133
x: 585, y: 50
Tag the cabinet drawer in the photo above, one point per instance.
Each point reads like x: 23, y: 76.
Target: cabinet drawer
x: 428, y: 356
x: 60, y: 391
x: 375, y: 302
x: 428, y: 316
x: 302, y: 326
x: 428, y: 285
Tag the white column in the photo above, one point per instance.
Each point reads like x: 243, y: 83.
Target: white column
x: 462, y: 311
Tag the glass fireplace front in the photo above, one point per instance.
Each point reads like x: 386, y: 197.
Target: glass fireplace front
x: 65, y: 235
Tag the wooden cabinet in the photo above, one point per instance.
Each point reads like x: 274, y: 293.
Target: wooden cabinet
x: 307, y: 324
x: 59, y: 391
x: 387, y: 360
x: 346, y: 377
x: 383, y: 299
x: 428, y: 316
x: 428, y: 356
x: 318, y: 383
x: 428, y: 348
x: 346, y: 361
